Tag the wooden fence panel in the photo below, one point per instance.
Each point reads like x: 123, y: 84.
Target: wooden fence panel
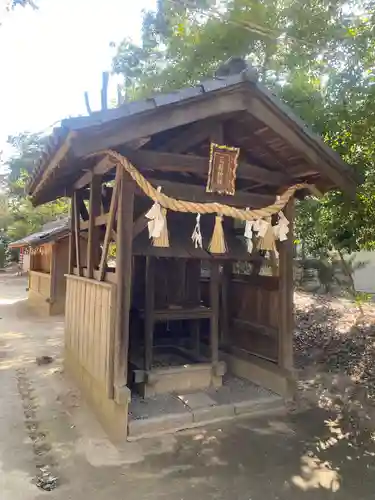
x: 254, y: 315
x: 40, y: 283
x: 256, y: 303
x: 89, y: 327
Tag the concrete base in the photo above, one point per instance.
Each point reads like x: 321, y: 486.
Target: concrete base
x: 168, y: 413
x: 262, y: 373
x: 180, y: 379
x: 112, y: 416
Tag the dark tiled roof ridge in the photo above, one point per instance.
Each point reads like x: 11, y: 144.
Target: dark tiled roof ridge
x: 75, y: 124
x: 39, y: 237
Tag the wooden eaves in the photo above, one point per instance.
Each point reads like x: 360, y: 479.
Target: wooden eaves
x: 157, y: 134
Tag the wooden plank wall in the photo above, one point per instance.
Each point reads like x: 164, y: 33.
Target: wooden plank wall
x: 89, y: 327
x: 41, y: 261
x: 40, y: 283
x: 62, y: 259
x: 256, y: 300
x: 254, y: 315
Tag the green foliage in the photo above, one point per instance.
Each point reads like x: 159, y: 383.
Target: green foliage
x: 2, y: 254
x: 334, y: 270
x: 18, y: 217
x: 318, y: 55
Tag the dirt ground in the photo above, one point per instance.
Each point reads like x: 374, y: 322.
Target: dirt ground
x: 323, y: 452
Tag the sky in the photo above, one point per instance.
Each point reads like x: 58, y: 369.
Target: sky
x: 49, y: 57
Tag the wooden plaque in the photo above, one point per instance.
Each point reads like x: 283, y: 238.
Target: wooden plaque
x: 222, y: 169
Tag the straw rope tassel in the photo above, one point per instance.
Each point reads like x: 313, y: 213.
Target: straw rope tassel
x: 217, y: 243
x: 162, y: 241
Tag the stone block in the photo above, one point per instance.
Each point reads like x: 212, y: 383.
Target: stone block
x: 184, y: 379
x: 196, y: 400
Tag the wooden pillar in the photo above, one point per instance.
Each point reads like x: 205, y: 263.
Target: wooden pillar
x: 286, y: 289
x: 53, y: 273
x: 123, y: 275
x: 110, y: 222
x: 71, y: 237
x: 149, y: 310
x: 93, y: 234
x: 225, y: 285
x: 193, y: 298
x: 216, y: 136
x: 77, y: 233
x: 32, y: 262
x: 215, y: 308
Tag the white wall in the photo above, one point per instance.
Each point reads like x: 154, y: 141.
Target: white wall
x: 26, y: 262
x: 364, y: 279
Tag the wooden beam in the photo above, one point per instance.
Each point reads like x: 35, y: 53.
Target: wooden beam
x: 93, y: 237
x: 100, y: 220
x: 173, y: 162
x: 82, y: 210
x: 286, y: 323
x: 157, y: 120
x: 37, y: 184
x: 123, y: 276
x: 111, y: 220
x: 302, y: 170
x: 268, y: 116
x: 53, y: 272
x: 101, y: 168
x: 196, y: 133
x: 71, y: 238
x: 242, y: 133
x: 76, y: 233
x: 190, y: 192
x: 106, y: 198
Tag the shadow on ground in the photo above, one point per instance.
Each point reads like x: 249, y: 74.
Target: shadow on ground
x: 326, y: 451
x: 314, y: 455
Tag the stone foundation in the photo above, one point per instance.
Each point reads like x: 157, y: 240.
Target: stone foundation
x: 112, y: 416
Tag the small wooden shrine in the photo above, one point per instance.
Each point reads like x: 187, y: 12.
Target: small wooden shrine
x: 48, y: 263
x: 187, y: 204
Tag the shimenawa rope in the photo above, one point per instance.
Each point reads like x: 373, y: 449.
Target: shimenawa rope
x: 170, y: 203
